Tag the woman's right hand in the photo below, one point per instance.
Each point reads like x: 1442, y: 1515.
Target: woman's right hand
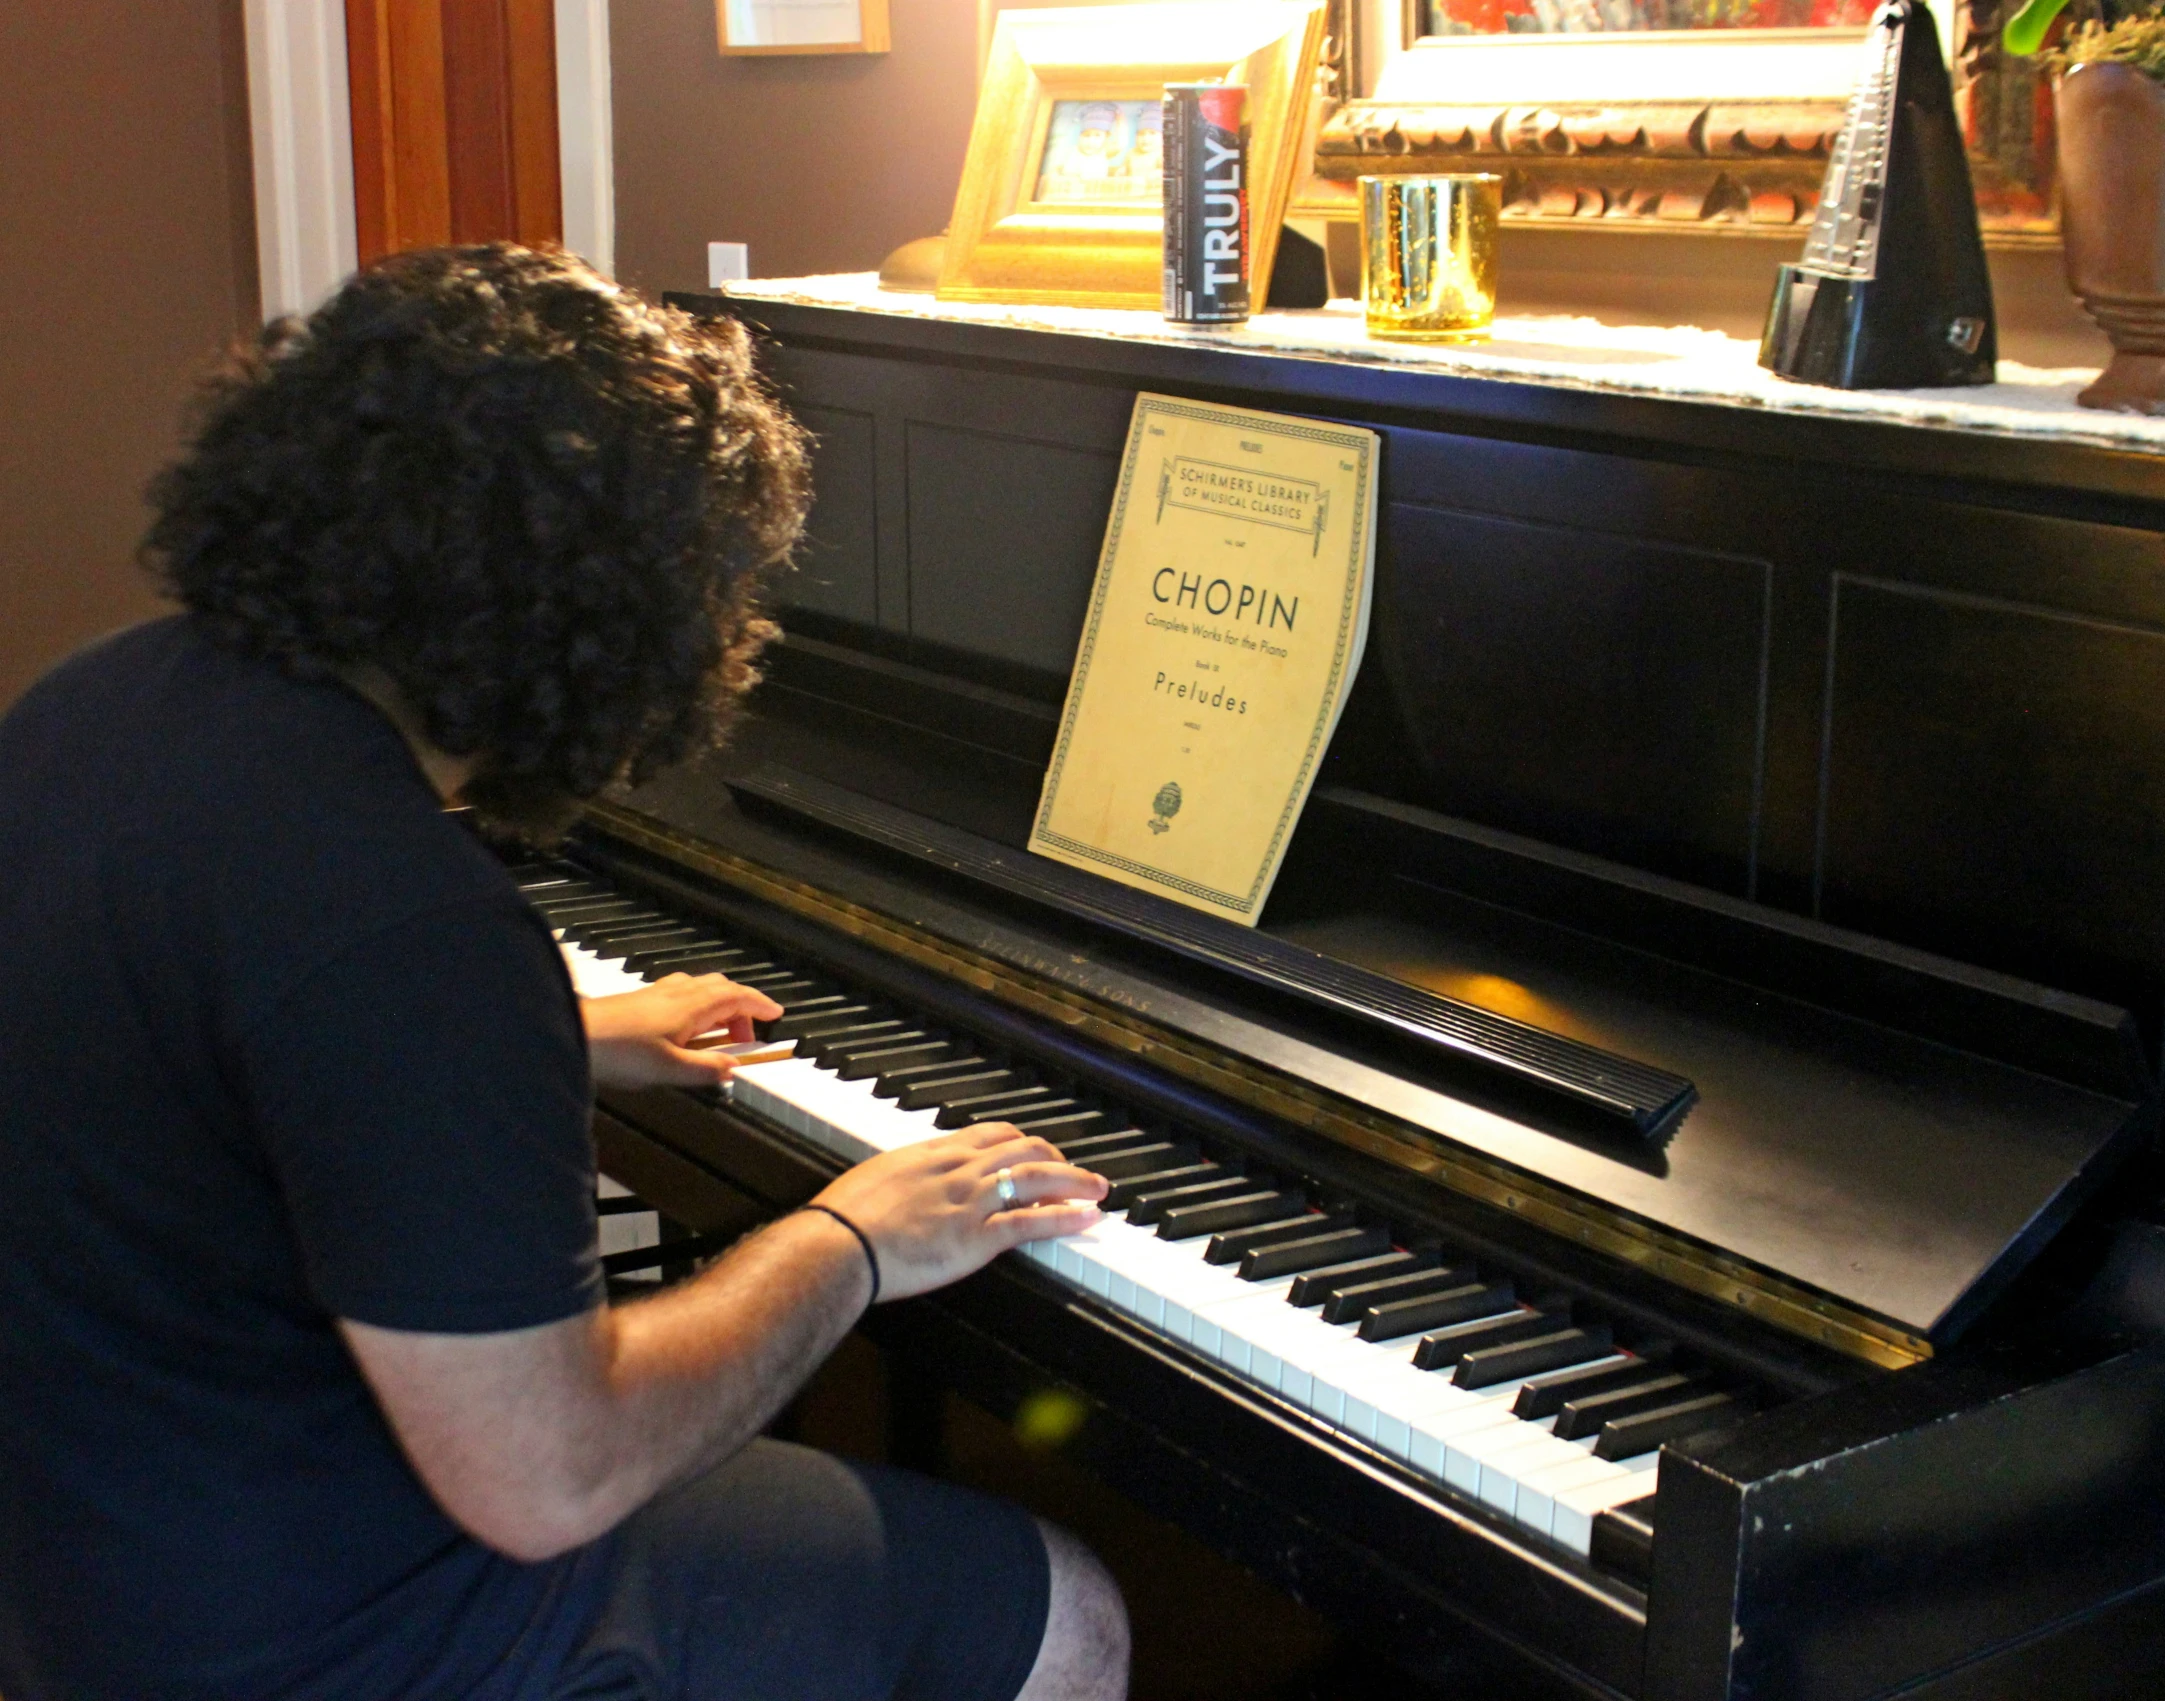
x: 933, y: 1212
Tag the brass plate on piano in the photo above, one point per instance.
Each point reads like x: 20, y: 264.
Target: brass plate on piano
x: 1585, y: 1222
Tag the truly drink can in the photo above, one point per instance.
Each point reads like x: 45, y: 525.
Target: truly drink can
x: 1207, y: 239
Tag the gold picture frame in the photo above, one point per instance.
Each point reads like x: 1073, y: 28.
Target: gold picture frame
x: 1046, y: 216
x: 762, y: 28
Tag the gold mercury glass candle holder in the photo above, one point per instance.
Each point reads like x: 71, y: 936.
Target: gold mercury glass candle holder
x: 1428, y: 256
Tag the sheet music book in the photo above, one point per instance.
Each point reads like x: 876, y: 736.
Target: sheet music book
x: 1228, y: 620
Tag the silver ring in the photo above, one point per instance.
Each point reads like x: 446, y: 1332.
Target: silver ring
x: 1007, y: 1189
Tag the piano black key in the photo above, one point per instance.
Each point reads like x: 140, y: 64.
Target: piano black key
x: 1627, y: 1438
x: 616, y: 947
x: 1124, y: 1193
x: 1584, y: 1414
x: 1434, y: 1308
x: 701, y: 962
x: 542, y: 872
x: 1447, y: 1346
x: 933, y: 1091
x: 1314, y: 1286
x: 573, y: 919
x: 819, y: 1020
x: 875, y: 1031
x: 1081, y: 1120
x: 892, y: 1083
x: 1044, y: 1104
x: 1347, y: 1302
x: 1148, y: 1208
x: 1443, y: 1309
x: 803, y: 986
x: 570, y: 894
x: 766, y: 975
x: 809, y: 1006
x: 868, y: 1063
x: 614, y: 910
x: 711, y: 943
x: 597, y: 936
x: 1094, y: 1145
x: 1521, y: 1359
x: 548, y: 904
x: 587, y: 903
x: 991, y: 1107
x: 694, y: 960
x: 591, y: 930
x: 1146, y: 1158
x: 1215, y: 1216
x: 1125, y: 1136
x: 1286, y: 1258
x: 635, y: 957
x: 1234, y: 1244
x: 830, y: 1048
x: 1544, y: 1396
x: 598, y: 943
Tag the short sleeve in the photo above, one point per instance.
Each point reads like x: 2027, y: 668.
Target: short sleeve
x: 424, y: 1103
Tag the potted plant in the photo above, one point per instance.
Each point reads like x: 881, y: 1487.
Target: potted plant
x: 2109, y: 98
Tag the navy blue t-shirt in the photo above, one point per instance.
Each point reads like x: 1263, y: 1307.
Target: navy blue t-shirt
x: 279, y: 1044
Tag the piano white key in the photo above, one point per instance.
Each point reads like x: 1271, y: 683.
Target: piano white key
x: 1572, y: 1524
x: 593, y: 978
x: 843, y: 1116
x: 1246, y: 1340
x: 1434, y: 1430
x: 1502, y: 1456
x: 1538, y: 1489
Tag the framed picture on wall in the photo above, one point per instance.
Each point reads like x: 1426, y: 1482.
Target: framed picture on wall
x: 801, y: 26
x: 1060, y: 194
x: 1713, y: 115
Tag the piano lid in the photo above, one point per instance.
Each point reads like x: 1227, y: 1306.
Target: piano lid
x: 1895, y: 1178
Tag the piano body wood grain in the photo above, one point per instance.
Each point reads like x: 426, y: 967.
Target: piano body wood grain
x: 1814, y: 761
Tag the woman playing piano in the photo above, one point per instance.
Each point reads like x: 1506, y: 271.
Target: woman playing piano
x: 311, y: 1389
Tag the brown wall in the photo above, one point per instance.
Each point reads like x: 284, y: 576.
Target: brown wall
x: 821, y: 162
x: 127, y: 255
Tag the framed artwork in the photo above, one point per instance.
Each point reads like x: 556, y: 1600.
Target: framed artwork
x: 1060, y: 194
x: 1672, y: 114
x: 801, y: 26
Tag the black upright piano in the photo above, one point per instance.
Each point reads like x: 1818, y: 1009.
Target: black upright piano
x: 1718, y: 979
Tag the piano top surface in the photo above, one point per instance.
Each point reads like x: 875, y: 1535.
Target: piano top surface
x: 1900, y: 1177
x: 2026, y: 432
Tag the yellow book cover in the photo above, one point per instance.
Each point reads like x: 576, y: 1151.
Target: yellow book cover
x: 1227, y: 623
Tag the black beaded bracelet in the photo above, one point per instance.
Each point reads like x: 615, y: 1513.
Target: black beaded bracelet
x: 871, y: 1258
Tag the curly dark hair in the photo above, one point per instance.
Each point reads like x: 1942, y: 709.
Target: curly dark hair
x: 538, y: 503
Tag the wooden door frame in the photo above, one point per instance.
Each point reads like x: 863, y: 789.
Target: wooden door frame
x: 301, y: 127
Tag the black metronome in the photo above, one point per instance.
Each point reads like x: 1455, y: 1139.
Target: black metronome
x: 1892, y: 292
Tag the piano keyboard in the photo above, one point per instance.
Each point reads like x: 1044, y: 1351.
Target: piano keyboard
x: 1524, y: 1404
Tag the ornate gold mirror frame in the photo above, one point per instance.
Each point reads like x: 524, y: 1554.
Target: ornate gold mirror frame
x: 1718, y: 130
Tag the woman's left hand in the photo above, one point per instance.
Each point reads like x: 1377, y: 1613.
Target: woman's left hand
x: 646, y: 1038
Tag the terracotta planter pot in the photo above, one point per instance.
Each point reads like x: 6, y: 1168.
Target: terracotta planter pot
x: 2112, y: 222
